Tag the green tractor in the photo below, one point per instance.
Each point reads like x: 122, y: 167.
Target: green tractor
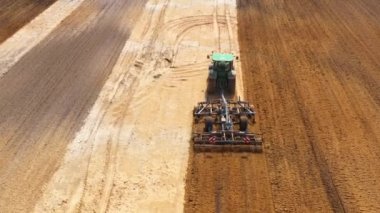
x: 222, y: 75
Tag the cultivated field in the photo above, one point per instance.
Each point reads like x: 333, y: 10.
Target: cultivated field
x: 16, y: 13
x: 47, y: 94
x: 95, y: 105
x: 312, y: 69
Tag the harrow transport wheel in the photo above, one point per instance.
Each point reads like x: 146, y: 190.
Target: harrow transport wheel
x: 208, y: 124
x: 243, y: 125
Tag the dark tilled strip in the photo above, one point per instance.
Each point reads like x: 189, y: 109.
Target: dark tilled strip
x: 14, y: 14
x: 46, y: 96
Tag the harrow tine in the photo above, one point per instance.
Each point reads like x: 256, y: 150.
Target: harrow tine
x: 226, y: 148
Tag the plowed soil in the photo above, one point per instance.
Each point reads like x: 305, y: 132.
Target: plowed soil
x: 16, y: 13
x: 311, y: 68
x: 226, y: 182
x: 47, y: 94
x: 97, y: 116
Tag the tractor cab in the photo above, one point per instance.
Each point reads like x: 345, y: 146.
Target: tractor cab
x: 221, y: 73
x: 222, y: 62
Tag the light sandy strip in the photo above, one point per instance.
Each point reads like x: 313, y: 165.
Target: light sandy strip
x: 33, y: 33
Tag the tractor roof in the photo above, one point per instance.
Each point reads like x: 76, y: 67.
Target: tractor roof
x: 222, y: 57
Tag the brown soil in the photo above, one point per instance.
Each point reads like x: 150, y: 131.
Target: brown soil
x: 48, y: 93
x: 227, y: 182
x: 311, y: 69
x: 16, y: 13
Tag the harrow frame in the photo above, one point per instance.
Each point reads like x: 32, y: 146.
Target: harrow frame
x: 225, y: 116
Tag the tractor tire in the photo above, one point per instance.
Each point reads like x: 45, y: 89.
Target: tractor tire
x: 243, y: 124
x: 209, y: 121
x: 231, y: 86
x: 211, y: 86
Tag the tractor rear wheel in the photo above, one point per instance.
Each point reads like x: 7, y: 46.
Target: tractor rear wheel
x: 231, y: 86
x: 243, y: 124
x: 211, y: 84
